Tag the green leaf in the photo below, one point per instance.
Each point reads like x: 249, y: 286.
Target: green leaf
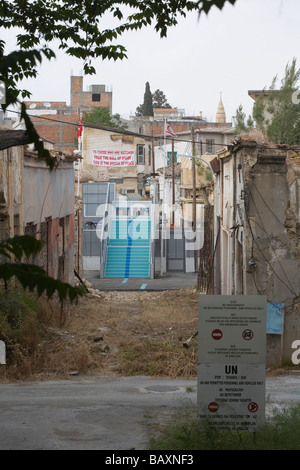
x: 20, y: 246
x: 33, y: 278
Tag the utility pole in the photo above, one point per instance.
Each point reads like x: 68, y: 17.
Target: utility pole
x: 153, y: 157
x: 194, y: 200
x: 173, y: 182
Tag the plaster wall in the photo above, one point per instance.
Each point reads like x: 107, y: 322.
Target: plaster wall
x: 47, y: 193
x: 259, y: 236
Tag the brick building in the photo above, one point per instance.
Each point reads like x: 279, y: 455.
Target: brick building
x: 57, y: 122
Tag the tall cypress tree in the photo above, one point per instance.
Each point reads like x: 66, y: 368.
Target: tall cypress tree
x: 147, y: 105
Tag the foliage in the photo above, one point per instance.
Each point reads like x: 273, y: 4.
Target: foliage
x: 139, y: 110
x: 14, y: 67
x: 240, y: 123
x: 202, y: 170
x: 147, y: 108
x: 18, y: 321
x: 103, y: 117
x: 281, y: 432
x: 277, y: 111
x: 159, y: 100
x: 31, y: 277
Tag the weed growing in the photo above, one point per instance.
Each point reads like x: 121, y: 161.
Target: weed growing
x: 157, y: 358
x: 142, y: 334
x: 184, y: 432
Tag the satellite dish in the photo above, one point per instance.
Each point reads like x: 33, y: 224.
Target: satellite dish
x: 32, y: 106
x: 47, y: 105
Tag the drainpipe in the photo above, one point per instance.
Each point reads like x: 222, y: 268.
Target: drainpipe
x: 233, y: 221
x: 221, y: 186
x: 194, y: 200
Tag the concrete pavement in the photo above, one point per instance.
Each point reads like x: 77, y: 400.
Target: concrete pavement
x: 105, y: 412
x: 172, y: 280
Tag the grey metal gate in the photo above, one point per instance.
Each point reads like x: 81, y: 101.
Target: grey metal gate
x: 93, y: 196
x: 176, y: 250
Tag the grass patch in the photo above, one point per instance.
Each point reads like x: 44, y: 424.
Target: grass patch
x: 19, y: 330
x: 18, y: 322
x: 280, y: 432
x: 35, y: 341
x: 157, y: 358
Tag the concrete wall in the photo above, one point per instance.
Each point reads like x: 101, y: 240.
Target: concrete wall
x: 47, y: 193
x: 49, y: 214
x: 259, y: 212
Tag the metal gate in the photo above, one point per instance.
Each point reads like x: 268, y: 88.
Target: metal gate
x: 176, y: 250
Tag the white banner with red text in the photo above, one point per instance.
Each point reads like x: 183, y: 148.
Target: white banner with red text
x: 113, y: 157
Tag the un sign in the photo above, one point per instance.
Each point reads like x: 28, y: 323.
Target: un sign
x: 2, y: 93
x: 2, y: 353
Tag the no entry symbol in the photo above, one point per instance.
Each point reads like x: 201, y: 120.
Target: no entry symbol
x: 213, y: 407
x: 217, y: 334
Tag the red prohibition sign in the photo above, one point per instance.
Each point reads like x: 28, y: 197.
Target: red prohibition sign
x: 253, y: 407
x: 217, y: 334
x: 213, y: 407
x: 247, y: 334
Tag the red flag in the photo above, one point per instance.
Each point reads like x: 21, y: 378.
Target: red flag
x: 79, y: 129
x: 169, y: 130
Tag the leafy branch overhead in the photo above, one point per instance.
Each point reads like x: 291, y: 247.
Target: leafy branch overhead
x: 81, y: 28
x: 30, y: 276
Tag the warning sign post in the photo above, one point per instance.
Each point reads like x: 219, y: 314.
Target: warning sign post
x: 231, y: 370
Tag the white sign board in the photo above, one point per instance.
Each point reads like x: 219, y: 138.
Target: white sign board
x: 232, y: 397
x: 232, y: 356
x: 2, y: 353
x: 232, y: 329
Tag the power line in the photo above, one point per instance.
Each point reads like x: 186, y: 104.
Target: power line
x: 124, y: 131
x: 151, y: 137
x: 117, y: 131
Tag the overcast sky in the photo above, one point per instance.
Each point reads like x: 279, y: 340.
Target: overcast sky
x: 231, y: 51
